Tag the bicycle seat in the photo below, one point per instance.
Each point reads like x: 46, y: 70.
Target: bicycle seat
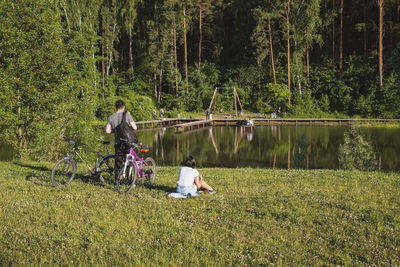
x: 104, y: 142
x: 144, y: 149
x: 75, y: 143
x: 72, y: 142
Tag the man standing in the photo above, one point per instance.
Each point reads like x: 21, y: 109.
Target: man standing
x: 121, y: 148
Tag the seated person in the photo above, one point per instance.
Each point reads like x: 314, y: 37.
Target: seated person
x: 190, y: 180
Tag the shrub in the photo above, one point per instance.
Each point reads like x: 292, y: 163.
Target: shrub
x: 356, y: 152
x: 106, y: 107
x: 140, y: 107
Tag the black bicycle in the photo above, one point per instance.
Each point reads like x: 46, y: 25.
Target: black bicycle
x: 64, y: 170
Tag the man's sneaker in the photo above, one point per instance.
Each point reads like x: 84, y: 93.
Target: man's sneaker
x: 212, y: 191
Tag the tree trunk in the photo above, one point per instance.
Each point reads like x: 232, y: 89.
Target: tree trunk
x: 201, y: 34
x: 287, y: 11
x: 308, y: 61
x: 365, y: 29
x: 271, y: 50
x: 175, y: 61
x: 390, y: 29
x: 160, y: 83
x: 66, y: 17
x: 333, y: 33
x: 110, y: 53
x: 155, y: 84
x: 380, y: 4
x: 130, y: 49
x: 341, y: 37
x: 274, y: 162
x: 185, y: 44
x: 94, y: 70
x: 172, y: 59
x: 19, y: 113
x: 102, y: 64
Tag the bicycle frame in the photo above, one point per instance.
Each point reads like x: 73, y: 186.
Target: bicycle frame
x: 100, y: 156
x: 133, y: 158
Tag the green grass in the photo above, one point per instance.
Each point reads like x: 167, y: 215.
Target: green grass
x: 258, y: 217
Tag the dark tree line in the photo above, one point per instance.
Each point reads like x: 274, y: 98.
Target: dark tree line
x: 64, y: 62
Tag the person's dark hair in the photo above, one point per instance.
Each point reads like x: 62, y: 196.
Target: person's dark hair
x: 190, y: 162
x: 119, y: 104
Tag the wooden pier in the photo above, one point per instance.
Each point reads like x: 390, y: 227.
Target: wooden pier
x: 162, y: 123
x: 182, y: 124
x: 190, y: 125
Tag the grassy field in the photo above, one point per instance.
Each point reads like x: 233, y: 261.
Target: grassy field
x: 258, y: 217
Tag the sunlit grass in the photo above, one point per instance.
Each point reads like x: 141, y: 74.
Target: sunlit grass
x: 258, y: 217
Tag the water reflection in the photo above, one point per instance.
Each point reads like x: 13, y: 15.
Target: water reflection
x: 275, y: 146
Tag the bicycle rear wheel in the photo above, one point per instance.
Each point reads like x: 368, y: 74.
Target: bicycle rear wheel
x: 126, y: 180
x: 63, y: 172
x: 148, y: 173
x: 106, y: 169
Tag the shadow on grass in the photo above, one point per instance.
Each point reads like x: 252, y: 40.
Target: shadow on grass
x: 33, y: 167
x: 164, y: 188
x: 41, y: 175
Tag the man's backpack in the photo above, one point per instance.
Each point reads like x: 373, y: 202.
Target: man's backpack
x: 125, y: 131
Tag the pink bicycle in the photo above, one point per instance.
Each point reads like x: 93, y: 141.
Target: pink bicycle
x: 136, y: 168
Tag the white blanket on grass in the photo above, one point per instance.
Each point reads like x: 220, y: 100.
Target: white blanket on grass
x: 179, y: 195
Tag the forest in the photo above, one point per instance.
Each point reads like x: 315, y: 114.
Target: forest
x: 63, y: 63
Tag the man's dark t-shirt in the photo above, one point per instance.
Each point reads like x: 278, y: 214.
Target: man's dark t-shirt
x: 115, y: 119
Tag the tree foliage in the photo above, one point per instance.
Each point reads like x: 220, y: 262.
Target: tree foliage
x: 63, y: 62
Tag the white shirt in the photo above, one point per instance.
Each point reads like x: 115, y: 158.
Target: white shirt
x: 186, y: 176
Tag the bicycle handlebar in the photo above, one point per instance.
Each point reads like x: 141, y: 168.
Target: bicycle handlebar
x: 140, y: 145
x: 77, y: 143
x: 73, y: 142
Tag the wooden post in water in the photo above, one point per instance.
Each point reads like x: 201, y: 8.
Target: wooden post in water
x: 177, y: 150
x: 380, y: 162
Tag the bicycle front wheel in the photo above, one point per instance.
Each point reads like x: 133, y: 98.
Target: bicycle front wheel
x: 148, y: 173
x: 63, y: 172
x: 106, y: 169
x: 126, y: 180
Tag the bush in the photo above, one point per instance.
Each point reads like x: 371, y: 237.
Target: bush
x: 140, y: 107
x: 356, y: 152
x: 106, y: 107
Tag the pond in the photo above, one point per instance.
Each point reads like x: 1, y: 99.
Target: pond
x: 272, y: 146
x: 279, y: 146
